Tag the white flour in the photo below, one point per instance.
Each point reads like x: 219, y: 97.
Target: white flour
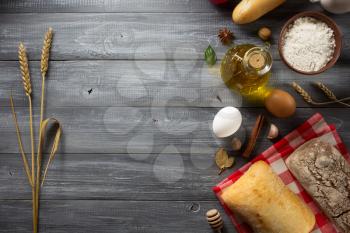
x: 308, y: 44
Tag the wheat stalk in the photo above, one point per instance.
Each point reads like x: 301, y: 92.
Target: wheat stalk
x: 44, y: 64
x: 307, y: 97
x: 34, y: 175
x: 24, y: 67
x: 329, y: 93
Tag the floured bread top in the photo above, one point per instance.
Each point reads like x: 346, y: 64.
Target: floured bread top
x: 325, y: 174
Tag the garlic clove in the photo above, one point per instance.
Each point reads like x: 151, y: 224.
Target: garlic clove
x: 273, y: 132
x: 236, y: 144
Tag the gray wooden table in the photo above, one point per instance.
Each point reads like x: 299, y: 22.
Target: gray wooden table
x: 137, y: 151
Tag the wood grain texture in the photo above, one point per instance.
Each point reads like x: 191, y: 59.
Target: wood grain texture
x: 110, y: 216
x: 151, y: 84
x: 75, y: 6
x: 117, y: 177
x: 128, y: 82
x: 134, y: 6
x: 115, y: 129
x: 135, y: 36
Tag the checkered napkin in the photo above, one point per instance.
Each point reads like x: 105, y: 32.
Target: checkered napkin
x: 316, y: 126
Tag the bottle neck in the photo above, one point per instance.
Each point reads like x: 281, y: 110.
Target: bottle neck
x: 257, y: 61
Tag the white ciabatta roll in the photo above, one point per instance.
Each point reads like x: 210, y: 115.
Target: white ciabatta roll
x: 266, y: 203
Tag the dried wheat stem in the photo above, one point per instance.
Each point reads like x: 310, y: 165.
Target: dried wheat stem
x: 44, y: 64
x: 35, y: 219
x: 24, y: 67
x: 329, y: 93
x: 307, y: 97
x: 32, y: 136
x: 19, y: 139
x: 55, y: 144
x: 38, y: 173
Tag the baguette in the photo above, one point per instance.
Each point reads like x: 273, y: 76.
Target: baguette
x: 248, y: 11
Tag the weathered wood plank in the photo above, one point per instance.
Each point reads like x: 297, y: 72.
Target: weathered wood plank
x: 110, y: 216
x: 118, y: 177
x: 134, y: 36
x: 138, y: 143
x: 115, y: 129
x: 106, y: 6
x: 149, y: 83
x: 203, y: 6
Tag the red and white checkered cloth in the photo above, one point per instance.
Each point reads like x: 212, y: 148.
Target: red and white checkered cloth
x: 314, y: 127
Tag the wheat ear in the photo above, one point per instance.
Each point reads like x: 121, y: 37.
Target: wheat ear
x: 24, y: 67
x: 23, y: 64
x: 329, y: 93
x: 326, y: 91
x: 303, y: 93
x: 45, y: 52
x: 307, y: 97
x: 44, y: 64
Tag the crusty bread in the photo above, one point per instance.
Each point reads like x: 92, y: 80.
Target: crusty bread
x: 325, y: 175
x: 266, y: 204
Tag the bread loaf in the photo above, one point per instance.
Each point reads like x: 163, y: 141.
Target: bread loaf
x: 266, y: 204
x: 325, y: 175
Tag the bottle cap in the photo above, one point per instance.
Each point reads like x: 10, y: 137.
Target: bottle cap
x: 257, y: 60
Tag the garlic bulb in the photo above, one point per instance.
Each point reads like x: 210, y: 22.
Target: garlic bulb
x: 335, y: 6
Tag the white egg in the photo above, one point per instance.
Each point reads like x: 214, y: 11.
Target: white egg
x: 226, y: 122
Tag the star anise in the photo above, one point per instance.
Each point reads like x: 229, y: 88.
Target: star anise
x: 226, y: 36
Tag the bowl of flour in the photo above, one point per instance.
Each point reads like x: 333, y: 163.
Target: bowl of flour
x: 310, y: 43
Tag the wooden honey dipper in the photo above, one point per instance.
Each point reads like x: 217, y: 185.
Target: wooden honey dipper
x: 215, y: 220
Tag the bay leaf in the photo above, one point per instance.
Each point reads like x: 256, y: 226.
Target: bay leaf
x: 230, y: 161
x: 221, y: 158
x: 223, y: 161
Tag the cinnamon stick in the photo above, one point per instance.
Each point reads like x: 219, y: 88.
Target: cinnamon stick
x: 254, y: 136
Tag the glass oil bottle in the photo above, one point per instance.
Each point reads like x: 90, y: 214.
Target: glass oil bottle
x: 247, y: 69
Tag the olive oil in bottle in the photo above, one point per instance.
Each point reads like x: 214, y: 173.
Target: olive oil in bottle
x: 246, y: 68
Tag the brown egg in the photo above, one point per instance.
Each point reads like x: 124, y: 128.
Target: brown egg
x: 280, y: 103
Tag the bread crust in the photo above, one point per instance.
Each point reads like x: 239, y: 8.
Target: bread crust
x: 325, y: 175
x: 266, y: 203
